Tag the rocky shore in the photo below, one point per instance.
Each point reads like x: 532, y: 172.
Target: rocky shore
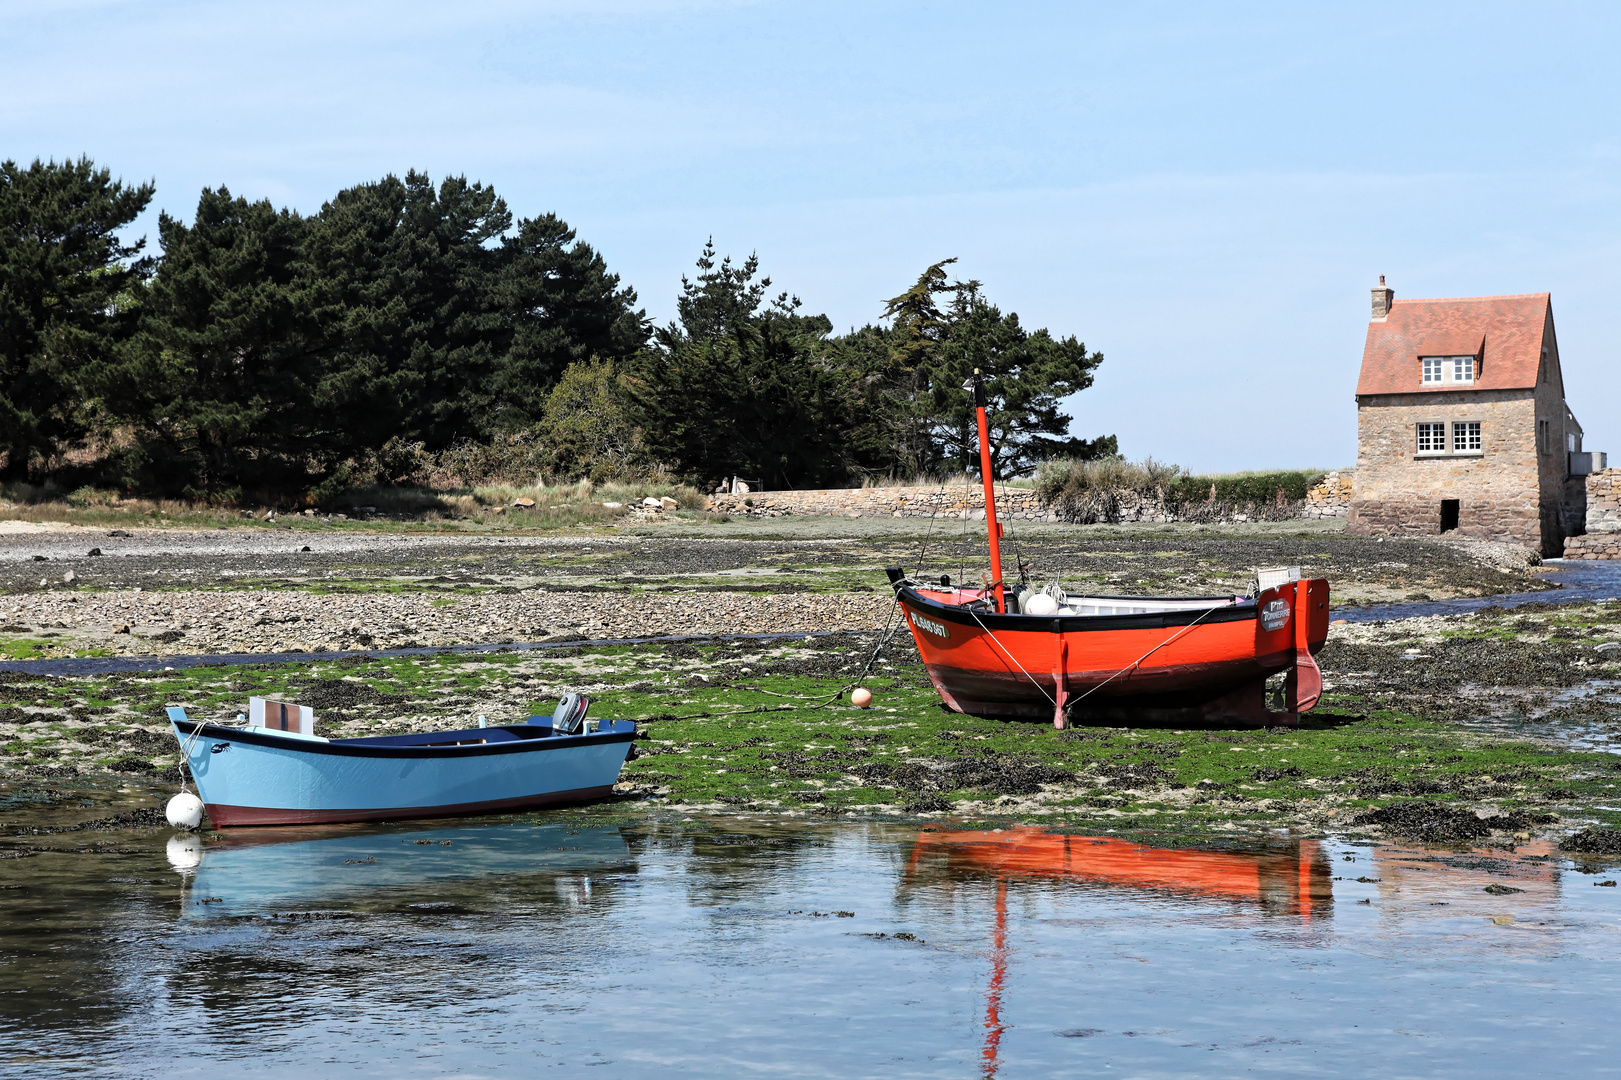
x: 136, y: 623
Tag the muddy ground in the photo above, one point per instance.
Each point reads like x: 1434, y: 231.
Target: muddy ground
x: 159, y: 592
x: 1484, y: 726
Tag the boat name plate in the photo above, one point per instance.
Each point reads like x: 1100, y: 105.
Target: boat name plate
x: 1275, y: 614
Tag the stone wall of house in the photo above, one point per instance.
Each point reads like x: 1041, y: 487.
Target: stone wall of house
x: 1563, y: 501
x: 1603, y: 537
x: 1499, y: 492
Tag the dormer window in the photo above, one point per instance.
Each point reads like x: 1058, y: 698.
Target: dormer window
x: 1448, y: 369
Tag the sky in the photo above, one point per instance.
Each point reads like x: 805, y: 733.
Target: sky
x: 1203, y: 192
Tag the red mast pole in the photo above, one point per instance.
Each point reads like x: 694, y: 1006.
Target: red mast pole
x: 991, y: 525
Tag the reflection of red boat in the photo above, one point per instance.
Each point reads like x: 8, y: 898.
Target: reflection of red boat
x: 1149, y: 657
x: 1293, y: 879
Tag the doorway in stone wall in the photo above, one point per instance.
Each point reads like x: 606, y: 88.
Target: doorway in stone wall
x: 1449, y: 514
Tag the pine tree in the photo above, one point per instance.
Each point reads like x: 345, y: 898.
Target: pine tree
x: 69, y: 298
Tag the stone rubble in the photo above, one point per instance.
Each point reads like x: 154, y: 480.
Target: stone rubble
x: 1331, y: 498
x: 133, y: 623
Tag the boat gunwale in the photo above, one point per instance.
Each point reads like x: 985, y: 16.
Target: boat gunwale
x: 355, y: 748
x: 1066, y: 624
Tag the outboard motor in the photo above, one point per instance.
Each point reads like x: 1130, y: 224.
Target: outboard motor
x: 569, y: 716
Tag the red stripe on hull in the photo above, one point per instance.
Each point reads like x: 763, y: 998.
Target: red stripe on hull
x: 1190, y: 684
x: 1214, y: 669
x: 224, y: 816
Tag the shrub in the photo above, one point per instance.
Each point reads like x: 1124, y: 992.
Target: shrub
x: 1085, y: 492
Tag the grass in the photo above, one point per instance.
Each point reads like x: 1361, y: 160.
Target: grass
x: 485, y: 506
x: 751, y: 725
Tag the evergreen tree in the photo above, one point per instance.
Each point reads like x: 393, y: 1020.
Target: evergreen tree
x: 918, y: 330
x: 933, y: 351
x: 283, y: 352
x: 558, y: 306
x: 220, y: 389
x: 1026, y: 376
x: 402, y: 275
x: 69, y: 298
x: 731, y: 388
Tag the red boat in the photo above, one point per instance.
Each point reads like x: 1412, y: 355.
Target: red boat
x: 1133, y: 658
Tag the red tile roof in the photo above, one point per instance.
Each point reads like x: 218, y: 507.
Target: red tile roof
x: 1504, y: 331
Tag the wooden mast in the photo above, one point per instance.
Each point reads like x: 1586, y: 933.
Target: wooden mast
x: 991, y: 525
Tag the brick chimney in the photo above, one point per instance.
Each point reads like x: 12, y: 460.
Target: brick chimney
x: 1381, y: 300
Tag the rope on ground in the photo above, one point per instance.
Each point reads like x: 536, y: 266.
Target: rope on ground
x: 891, y: 625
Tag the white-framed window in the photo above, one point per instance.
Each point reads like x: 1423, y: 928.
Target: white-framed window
x: 1448, y: 369
x: 1443, y: 438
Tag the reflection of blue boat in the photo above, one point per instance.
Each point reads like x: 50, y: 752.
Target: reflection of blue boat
x: 264, y: 776
x: 274, y: 874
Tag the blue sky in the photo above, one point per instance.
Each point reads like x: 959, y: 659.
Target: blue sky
x: 1204, y: 192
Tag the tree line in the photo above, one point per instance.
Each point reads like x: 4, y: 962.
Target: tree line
x: 265, y: 351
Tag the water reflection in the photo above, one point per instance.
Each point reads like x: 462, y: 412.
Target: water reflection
x: 1291, y: 878
x: 278, y: 871
x: 1577, y: 580
x: 689, y: 946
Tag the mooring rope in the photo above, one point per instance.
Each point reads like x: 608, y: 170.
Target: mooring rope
x: 1134, y: 664
x: 891, y: 625
x: 990, y: 634
x: 1146, y: 655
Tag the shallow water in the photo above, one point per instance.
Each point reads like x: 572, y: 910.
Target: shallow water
x: 1577, y: 580
x: 583, y: 944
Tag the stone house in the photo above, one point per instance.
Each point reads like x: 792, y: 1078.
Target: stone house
x: 1462, y: 423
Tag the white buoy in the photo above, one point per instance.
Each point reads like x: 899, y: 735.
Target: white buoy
x: 861, y: 697
x: 185, y: 852
x: 1041, y: 604
x: 185, y: 811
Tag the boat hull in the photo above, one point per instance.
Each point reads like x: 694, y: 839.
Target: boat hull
x: 258, y: 778
x: 1210, y: 662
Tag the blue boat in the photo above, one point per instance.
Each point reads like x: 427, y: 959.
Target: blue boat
x: 267, y: 776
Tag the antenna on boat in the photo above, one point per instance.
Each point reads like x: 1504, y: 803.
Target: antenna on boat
x: 977, y: 386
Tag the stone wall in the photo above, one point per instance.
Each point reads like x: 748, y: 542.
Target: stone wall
x: 1499, y: 491
x: 1331, y: 498
x: 1328, y: 500
x: 1012, y: 504
x: 1603, y: 538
